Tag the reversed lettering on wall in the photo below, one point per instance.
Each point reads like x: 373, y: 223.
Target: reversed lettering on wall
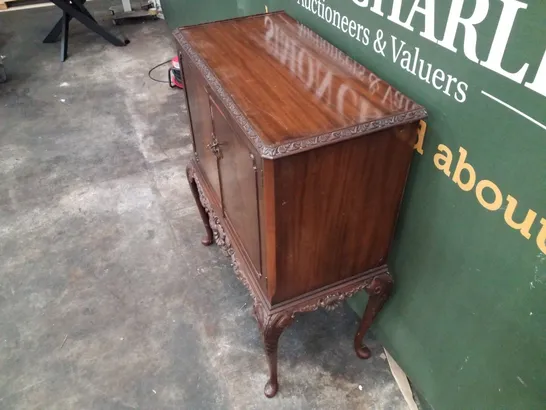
x: 333, y: 88
x: 463, y: 19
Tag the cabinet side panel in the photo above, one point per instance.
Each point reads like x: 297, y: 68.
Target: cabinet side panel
x: 336, y: 208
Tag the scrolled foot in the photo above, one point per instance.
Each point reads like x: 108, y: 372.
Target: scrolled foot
x: 207, y: 240
x: 363, y: 352
x: 271, y: 388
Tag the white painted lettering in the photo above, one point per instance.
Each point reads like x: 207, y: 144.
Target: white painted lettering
x: 337, y: 19
x: 460, y: 95
x: 414, y: 68
x: 450, y: 79
x: 406, y: 61
x: 438, y: 75
x: 539, y: 84
x: 429, y: 69
x: 352, y: 28
x: 328, y: 10
x: 470, y: 34
x: 500, y: 40
x: 376, y: 8
x: 366, y: 37
x: 359, y: 31
x: 321, y: 9
x: 344, y: 24
x: 395, y: 12
x: 428, y: 12
x: 396, y: 54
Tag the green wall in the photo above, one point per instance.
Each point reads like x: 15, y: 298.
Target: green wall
x: 185, y: 12
x: 467, y: 321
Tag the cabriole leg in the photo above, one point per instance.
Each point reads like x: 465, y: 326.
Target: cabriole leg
x: 208, y: 238
x: 379, y: 291
x: 271, y: 327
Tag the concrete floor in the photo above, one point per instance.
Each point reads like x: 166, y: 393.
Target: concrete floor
x: 107, y: 298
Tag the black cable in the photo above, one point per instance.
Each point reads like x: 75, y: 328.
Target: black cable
x: 157, y: 66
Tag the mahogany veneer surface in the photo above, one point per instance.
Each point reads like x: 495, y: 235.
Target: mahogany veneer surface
x: 277, y: 77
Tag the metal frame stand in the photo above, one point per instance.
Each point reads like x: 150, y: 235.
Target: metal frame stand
x: 76, y: 9
x: 132, y: 10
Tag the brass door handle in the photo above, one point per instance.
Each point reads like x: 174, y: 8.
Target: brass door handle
x: 214, y: 146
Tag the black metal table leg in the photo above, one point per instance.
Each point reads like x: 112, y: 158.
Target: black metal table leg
x: 79, y: 4
x: 64, y: 38
x: 76, y: 9
x: 87, y: 22
x: 55, y: 32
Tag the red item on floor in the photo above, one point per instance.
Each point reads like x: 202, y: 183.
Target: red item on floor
x: 175, y: 75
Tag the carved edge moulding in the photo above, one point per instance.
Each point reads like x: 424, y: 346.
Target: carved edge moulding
x: 272, y: 320
x: 291, y: 147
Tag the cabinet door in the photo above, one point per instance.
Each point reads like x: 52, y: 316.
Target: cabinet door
x: 199, y: 109
x: 239, y: 179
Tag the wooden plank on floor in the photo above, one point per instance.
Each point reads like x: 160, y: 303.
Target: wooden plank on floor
x: 21, y: 4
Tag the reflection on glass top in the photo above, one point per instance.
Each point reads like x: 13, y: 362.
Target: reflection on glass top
x: 288, y: 81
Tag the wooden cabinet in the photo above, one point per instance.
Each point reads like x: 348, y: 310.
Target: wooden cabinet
x: 301, y: 158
